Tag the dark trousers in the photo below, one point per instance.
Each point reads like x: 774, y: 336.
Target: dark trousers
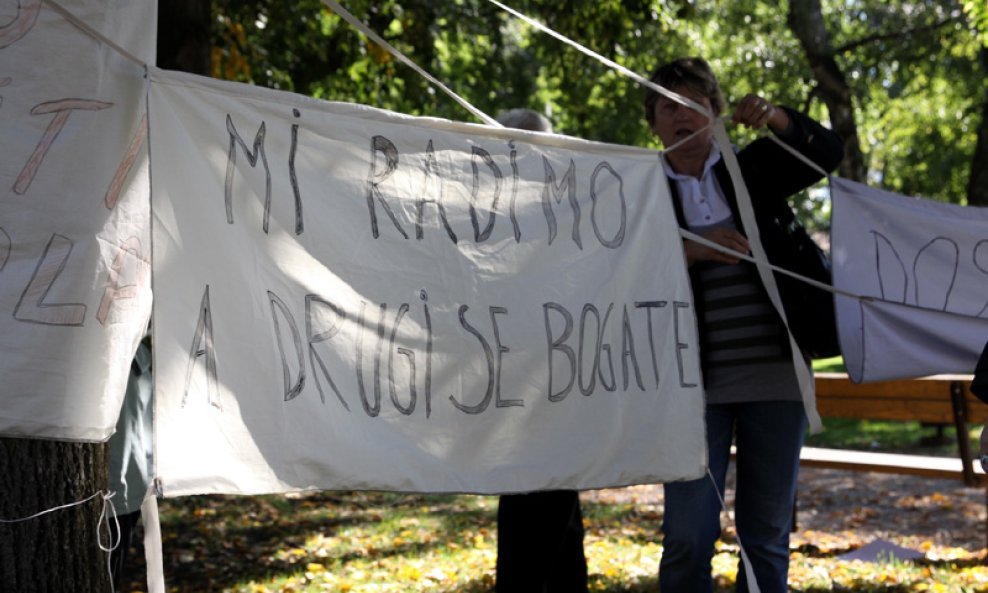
x: 540, y: 543
x: 119, y: 556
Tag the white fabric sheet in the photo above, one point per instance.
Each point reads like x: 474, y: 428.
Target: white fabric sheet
x: 924, y: 267
x: 74, y: 215
x: 296, y: 347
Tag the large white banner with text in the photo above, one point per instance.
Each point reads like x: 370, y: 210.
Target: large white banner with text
x: 922, y: 268
x: 348, y: 298
x: 74, y: 215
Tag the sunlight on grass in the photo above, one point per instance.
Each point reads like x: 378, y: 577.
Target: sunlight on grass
x: 380, y: 542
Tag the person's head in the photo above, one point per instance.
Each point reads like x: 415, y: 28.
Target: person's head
x: 691, y: 74
x: 525, y: 119
x: 691, y: 77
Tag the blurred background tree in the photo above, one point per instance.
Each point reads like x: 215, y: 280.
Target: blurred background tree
x: 904, y: 82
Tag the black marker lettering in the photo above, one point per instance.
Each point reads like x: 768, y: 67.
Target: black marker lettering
x: 501, y: 349
x: 974, y: 255
x: 606, y: 348
x: 380, y: 144
x: 588, y: 389
x: 680, y: 346
x: 628, y: 352
x: 559, y: 344
x: 619, y: 235
x: 202, y: 346
x: 278, y: 305
x: 252, y: 158
x: 293, y: 177
x: 410, y: 357
x: 485, y: 156
x: 514, y: 192
x: 552, y: 191
x: 312, y: 306
x: 371, y: 410
x: 431, y: 171
x: 648, y: 306
x: 482, y: 405
x: 428, y: 353
x: 939, y: 265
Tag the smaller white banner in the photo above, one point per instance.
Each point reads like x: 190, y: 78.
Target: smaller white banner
x: 923, y: 268
x: 75, y: 245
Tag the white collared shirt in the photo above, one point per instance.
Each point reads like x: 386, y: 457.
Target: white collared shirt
x: 703, y: 201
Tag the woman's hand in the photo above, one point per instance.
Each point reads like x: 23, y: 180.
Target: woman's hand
x: 756, y: 112
x: 729, y: 238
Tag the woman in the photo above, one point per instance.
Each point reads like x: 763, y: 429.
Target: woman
x: 752, y: 396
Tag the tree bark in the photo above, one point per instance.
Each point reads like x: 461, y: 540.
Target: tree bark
x: 58, y: 551
x: 183, y: 36
x: 806, y: 22
x: 977, y: 188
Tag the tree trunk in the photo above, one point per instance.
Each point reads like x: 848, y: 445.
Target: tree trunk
x: 977, y: 188
x: 806, y: 22
x: 183, y: 35
x: 58, y: 551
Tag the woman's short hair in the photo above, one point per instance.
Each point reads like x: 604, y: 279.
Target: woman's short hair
x: 525, y: 119
x: 694, y: 74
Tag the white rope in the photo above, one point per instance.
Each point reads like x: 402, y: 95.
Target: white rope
x: 335, y: 7
x: 85, y: 28
x: 103, y: 517
x: 804, y: 376
x: 728, y: 251
x: 749, y: 571
x: 610, y: 63
x: 106, y: 495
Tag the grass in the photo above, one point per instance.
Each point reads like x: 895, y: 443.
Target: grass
x: 385, y: 542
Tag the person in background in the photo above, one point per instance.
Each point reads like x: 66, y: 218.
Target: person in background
x: 540, y: 534
x: 752, y: 395
x: 130, y: 457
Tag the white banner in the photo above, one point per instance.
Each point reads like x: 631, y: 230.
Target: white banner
x: 924, y: 266
x: 74, y: 215
x: 348, y: 298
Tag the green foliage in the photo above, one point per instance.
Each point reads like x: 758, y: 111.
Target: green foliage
x: 913, y: 67
x: 977, y: 11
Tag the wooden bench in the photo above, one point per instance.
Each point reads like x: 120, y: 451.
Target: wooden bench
x: 940, y: 399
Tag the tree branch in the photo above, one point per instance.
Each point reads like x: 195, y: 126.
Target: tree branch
x: 896, y: 35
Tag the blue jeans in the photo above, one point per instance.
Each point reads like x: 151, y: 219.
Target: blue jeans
x: 769, y: 436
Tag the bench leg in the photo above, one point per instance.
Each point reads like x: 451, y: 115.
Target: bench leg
x: 960, y: 424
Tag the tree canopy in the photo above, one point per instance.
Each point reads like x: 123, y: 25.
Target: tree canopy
x: 903, y: 81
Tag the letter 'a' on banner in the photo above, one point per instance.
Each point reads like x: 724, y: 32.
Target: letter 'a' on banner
x: 347, y: 298
x: 923, y: 267
x: 75, y: 246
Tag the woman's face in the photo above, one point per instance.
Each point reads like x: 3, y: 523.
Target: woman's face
x: 674, y: 121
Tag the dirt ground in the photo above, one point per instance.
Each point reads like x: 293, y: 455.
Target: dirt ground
x: 844, y: 510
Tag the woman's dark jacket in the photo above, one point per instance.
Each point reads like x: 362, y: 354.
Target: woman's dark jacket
x: 772, y: 175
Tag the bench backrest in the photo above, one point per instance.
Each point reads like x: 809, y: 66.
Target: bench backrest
x: 925, y: 400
